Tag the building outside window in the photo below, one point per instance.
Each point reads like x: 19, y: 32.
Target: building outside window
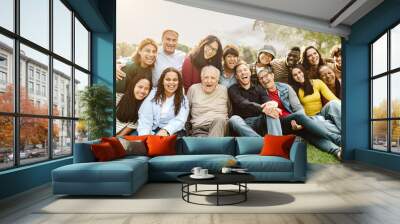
x: 58, y: 126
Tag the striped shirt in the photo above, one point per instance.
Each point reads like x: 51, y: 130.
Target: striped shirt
x: 121, y: 125
x: 280, y: 70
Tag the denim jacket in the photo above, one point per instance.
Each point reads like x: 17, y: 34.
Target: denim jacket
x: 288, y: 97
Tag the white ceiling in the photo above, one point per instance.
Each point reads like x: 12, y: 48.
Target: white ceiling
x: 315, y: 15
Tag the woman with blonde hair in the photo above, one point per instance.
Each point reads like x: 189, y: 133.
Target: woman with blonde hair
x: 142, y: 63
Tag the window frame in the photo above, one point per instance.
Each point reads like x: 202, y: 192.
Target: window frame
x: 388, y: 74
x: 16, y: 114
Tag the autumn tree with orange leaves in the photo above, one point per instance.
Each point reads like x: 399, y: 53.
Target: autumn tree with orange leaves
x: 33, y: 130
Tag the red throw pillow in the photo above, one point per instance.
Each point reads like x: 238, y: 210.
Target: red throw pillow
x: 116, y: 145
x: 103, y: 151
x: 160, y: 145
x: 277, y: 145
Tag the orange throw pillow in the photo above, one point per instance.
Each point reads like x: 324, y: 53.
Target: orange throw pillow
x: 103, y: 151
x: 160, y: 145
x: 116, y: 145
x: 277, y: 145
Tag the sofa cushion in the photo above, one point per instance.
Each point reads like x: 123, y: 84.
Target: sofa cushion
x: 257, y: 163
x: 185, y: 163
x: 83, y: 152
x: 207, y: 145
x: 248, y: 145
x: 112, y: 171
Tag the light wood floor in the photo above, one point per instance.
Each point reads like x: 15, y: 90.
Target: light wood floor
x: 377, y: 188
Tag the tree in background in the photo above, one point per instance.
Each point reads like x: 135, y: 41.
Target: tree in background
x: 291, y: 36
x: 33, y: 131
x: 380, y: 127
x: 248, y: 54
x: 125, y: 49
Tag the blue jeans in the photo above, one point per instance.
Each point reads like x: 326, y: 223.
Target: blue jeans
x: 309, y: 125
x: 332, y: 111
x: 255, y: 126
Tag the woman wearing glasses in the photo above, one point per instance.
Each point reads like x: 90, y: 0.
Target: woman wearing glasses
x: 208, y: 52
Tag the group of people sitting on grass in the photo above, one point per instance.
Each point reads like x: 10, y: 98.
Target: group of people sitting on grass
x: 211, y: 92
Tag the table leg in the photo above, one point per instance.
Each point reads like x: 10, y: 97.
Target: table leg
x: 196, y: 187
x: 217, y: 194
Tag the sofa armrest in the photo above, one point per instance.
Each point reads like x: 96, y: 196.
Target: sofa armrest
x: 298, y: 155
x: 83, y: 152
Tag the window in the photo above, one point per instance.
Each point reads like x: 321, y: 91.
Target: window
x: 385, y: 96
x: 7, y: 14
x: 48, y: 91
x: 6, y: 74
x: 30, y: 87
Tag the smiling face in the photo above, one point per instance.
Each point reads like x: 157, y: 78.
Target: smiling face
x: 265, y: 58
x: 243, y: 75
x: 209, y: 80
x: 169, y: 42
x: 231, y: 61
x: 210, y: 50
x: 298, y: 75
x: 312, y: 56
x: 293, y: 58
x: 142, y: 89
x: 327, y: 75
x: 148, y: 55
x: 266, y: 79
x: 171, y: 82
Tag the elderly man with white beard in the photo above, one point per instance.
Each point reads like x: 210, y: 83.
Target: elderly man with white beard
x: 209, y: 105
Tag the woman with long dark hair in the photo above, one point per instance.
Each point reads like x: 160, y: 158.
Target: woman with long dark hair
x: 208, y: 52
x: 311, y: 93
x: 312, y: 59
x: 166, y: 109
x: 128, y: 104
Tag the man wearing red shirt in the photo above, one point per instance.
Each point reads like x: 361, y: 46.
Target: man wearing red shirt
x: 294, y: 120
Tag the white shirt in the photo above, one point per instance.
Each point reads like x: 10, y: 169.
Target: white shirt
x: 164, y: 61
x: 153, y: 115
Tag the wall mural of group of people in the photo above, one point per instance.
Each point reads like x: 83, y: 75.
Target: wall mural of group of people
x: 212, y: 92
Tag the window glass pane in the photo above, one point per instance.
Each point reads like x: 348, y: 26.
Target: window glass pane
x: 33, y: 139
x: 6, y: 74
x: 395, y: 136
x: 395, y: 47
x: 35, y: 21
x: 34, y: 72
x: 395, y: 95
x: 81, y: 131
x: 62, y: 29
x: 379, y: 97
x: 81, y: 81
x: 379, y: 135
x: 379, y: 55
x: 6, y: 142
x: 62, y: 89
x: 7, y: 14
x: 62, y: 141
x: 81, y: 45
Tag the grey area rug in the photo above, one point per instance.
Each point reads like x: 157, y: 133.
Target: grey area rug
x: 166, y: 198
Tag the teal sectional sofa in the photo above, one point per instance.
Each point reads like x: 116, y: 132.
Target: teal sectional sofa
x: 125, y: 176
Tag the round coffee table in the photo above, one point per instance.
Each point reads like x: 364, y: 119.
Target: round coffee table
x: 238, y: 179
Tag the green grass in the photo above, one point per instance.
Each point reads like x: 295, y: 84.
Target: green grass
x: 314, y: 155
